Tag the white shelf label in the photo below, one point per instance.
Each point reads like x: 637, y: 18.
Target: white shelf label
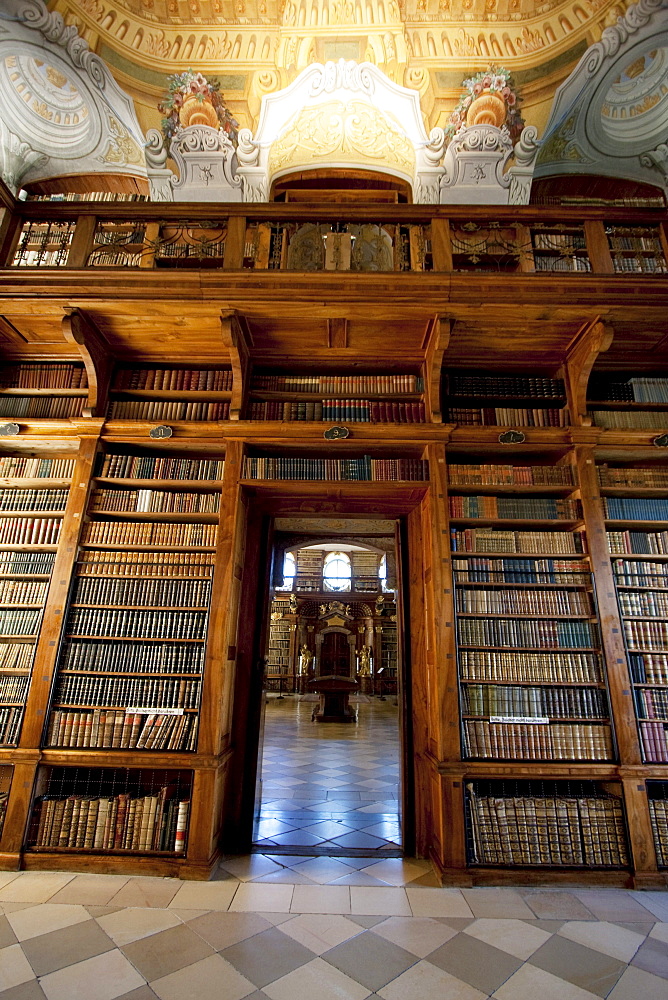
x: 142, y: 710
x: 536, y: 720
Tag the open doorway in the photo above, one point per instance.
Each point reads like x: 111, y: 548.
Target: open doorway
x: 334, y: 736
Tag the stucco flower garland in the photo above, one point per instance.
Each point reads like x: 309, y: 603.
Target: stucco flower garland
x: 191, y: 85
x: 495, y: 80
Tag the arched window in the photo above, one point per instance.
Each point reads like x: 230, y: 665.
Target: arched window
x: 337, y: 571
x: 289, y: 571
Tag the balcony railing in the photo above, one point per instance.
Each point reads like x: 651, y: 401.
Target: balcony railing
x: 407, y: 238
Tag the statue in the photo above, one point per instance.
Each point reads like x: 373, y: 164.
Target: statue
x: 305, y: 659
x: 293, y: 604
x: 380, y: 602
x: 364, y: 662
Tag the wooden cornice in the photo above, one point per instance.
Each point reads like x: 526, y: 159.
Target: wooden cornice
x: 80, y: 330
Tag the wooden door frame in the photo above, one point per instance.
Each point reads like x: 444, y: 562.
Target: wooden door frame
x: 411, y: 506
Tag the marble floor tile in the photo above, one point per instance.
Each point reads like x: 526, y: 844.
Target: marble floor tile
x: 516, y: 937
x: 14, y: 967
x: 320, y: 899
x: 497, y: 903
x: 425, y: 980
x: 427, y: 902
x: 531, y: 983
x: 267, y: 957
x: 262, y: 897
x: 590, y: 970
x: 652, y: 957
x: 371, y: 960
x: 146, y: 892
x: 135, y: 923
x: 379, y: 901
x: 166, y: 951
x: 636, y: 984
x: 67, y: 946
x: 211, y: 979
x: 419, y: 935
x: 34, y: 887
x: 603, y: 936
x: 90, y: 889
x: 204, y: 896
x: 105, y: 977
x: 44, y: 917
x: 320, y: 932
x: 475, y: 962
x: 316, y: 980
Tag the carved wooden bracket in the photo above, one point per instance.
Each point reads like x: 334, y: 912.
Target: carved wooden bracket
x: 436, y: 340
x: 80, y: 330
x: 238, y: 339
x: 592, y: 339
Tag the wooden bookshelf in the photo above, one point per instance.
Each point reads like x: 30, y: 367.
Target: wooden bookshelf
x: 512, y: 314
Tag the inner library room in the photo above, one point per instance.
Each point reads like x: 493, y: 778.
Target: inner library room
x: 334, y: 568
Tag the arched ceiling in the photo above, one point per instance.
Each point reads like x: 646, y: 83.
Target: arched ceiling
x: 255, y: 47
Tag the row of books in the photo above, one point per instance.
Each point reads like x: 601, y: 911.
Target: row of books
x: 652, y: 636
x: 189, y: 379
x: 505, y: 385
x: 147, y: 533
x: 494, y: 540
x: 10, y: 724
x: 377, y: 385
x: 149, y: 693
x: 524, y: 602
x: 120, y: 622
x: 166, y: 565
x: 658, y: 811
x: 546, y: 830
x: 120, y: 729
x: 132, y: 657
x: 563, y: 262
x: 29, y: 530
x: 638, y: 542
x: 514, y: 632
x: 145, y: 823
x: 19, y: 621
x: 561, y: 241
x: 629, y: 419
x: 43, y: 376
x: 19, y: 500
x: 22, y: 592
x: 155, y: 501
x: 651, y: 243
x: 543, y: 508
x: 652, y: 703
x: 137, y: 592
x: 510, y: 475
x: 90, y: 196
x: 334, y: 410
x: 649, y: 668
x: 16, y: 656
x: 27, y: 563
x: 654, y: 739
x: 537, y: 741
x: 152, y: 467
x: 365, y: 468
x: 517, y: 571
x: 553, y: 702
x: 642, y: 264
x: 53, y: 407
x: 635, y: 508
x: 656, y: 477
x: 643, y: 604
x: 13, y: 688
x: 638, y: 573
x: 530, y: 668
x: 507, y: 416
x: 134, y: 409
x: 16, y: 467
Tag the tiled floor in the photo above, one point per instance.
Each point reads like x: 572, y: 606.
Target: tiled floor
x: 330, y: 787
x: 307, y: 936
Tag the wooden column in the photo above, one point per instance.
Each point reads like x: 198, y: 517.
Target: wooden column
x: 10, y: 234
x: 46, y: 651
x: 82, y: 242
x: 597, y: 247
x: 641, y: 838
x: 441, y: 245
x: 612, y: 635
x: 234, y: 243
x: 18, y: 809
